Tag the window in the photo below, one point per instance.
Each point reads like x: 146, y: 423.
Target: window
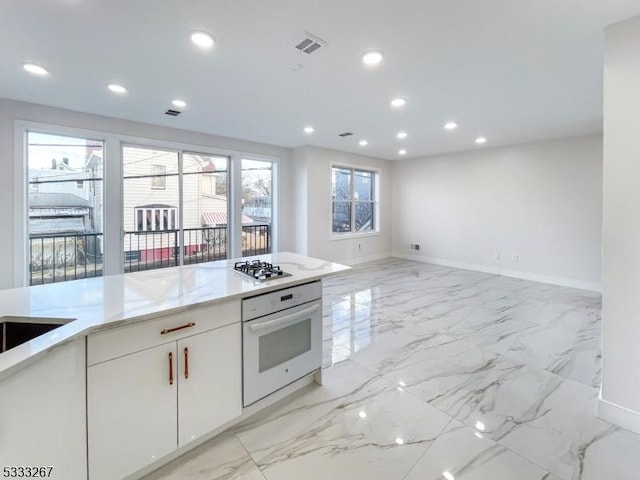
x: 354, y: 206
x: 257, y: 206
x: 176, y: 204
x: 64, y: 220
x: 178, y: 218
x: 151, y: 219
x: 151, y: 191
x: 158, y: 180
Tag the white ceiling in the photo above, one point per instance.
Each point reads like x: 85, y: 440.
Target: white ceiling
x: 511, y: 70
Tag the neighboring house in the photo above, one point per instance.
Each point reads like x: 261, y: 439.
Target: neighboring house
x: 151, y: 214
x: 53, y: 213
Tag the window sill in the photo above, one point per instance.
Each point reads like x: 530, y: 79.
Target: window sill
x: 350, y: 236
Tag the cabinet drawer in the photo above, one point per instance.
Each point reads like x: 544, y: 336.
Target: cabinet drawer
x: 121, y: 341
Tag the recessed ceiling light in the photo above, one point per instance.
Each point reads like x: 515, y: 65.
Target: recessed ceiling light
x: 309, y: 129
x: 402, y: 152
x: 35, y: 69
x: 372, y: 58
x: 202, y: 39
x: 481, y: 140
x: 402, y: 135
x: 179, y: 103
x: 398, y: 102
x: 399, y: 441
x: 362, y: 414
x: 451, y: 126
x: 117, y: 88
x: 448, y: 476
x: 363, y: 143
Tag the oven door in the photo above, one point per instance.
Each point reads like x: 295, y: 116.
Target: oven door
x: 281, y: 348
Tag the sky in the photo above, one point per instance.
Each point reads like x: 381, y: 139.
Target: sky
x: 42, y: 148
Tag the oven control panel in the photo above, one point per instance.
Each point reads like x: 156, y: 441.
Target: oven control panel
x: 272, y: 302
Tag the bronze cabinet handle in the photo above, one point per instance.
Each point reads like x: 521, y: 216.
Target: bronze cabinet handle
x: 186, y: 362
x: 175, y: 329
x: 170, y: 368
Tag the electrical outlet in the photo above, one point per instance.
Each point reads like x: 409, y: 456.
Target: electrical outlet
x: 359, y: 246
x: 515, y: 258
x: 417, y: 246
x: 412, y: 246
x: 496, y: 256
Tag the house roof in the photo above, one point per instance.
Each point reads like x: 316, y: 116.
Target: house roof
x: 53, y: 200
x: 56, y: 225
x: 219, y: 218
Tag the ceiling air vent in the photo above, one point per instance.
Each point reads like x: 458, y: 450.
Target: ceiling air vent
x: 308, y: 43
x: 173, y: 113
x: 345, y: 134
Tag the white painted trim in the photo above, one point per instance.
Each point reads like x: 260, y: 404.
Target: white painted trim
x: 620, y: 416
x: 448, y: 263
x: 20, y: 206
x: 534, y: 277
x: 336, y: 237
x: 561, y: 281
x: 369, y: 258
x: 376, y: 203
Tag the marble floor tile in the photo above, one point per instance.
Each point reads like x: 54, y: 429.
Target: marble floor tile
x: 273, y: 427
x: 463, y: 453
x: 223, y: 458
x: 477, y: 375
x: 377, y: 437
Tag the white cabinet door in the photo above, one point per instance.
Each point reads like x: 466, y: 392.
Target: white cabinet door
x: 210, y: 385
x: 132, y: 411
x: 43, y: 416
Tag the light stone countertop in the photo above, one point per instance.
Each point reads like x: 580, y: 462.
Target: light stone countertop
x: 101, y: 303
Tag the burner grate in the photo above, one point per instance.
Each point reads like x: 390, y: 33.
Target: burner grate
x: 259, y: 270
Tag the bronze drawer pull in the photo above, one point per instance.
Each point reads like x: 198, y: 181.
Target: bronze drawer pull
x: 170, y: 368
x: 175, y: 329
x: 186, y: 362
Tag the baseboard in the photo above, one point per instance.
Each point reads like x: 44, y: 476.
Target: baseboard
x: 448, y: 263
x: 534, y: 277
x: 370, y: 258
x: 563, y: 282
x: 620, y: 416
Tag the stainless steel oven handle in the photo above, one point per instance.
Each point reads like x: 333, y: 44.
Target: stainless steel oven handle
x: 286, y: 319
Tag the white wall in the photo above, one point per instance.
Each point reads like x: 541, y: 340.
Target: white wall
x: 299, y: 178
x: 312, y: 170
x: 10, y: 111
x: 540, y: 201
x: 621, y: 301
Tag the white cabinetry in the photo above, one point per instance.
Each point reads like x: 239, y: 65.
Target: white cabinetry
x: 144, y: 404
x: 43, y: 414
x: 212, y: 393
x: 132, y: 412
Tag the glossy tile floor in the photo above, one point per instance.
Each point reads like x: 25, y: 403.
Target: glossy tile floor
x: 437, y: 373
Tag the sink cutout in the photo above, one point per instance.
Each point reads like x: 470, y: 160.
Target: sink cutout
x: 15, y: 331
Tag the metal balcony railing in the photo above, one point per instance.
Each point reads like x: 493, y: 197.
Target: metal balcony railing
x: 62, y: 257
x: 159, y: 249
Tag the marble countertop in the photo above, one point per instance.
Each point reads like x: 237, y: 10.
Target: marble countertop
x: 107, y: 302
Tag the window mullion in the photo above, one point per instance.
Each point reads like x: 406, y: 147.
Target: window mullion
x: 352, y: 202
x: 180, y: 239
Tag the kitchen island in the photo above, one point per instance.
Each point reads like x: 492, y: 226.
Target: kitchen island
x: 105, y: 381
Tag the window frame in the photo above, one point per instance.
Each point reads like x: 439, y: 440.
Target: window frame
x: 113, y: 227
x: 375, y: 201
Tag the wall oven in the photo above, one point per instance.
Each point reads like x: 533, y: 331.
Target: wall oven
x: 282, y: 339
